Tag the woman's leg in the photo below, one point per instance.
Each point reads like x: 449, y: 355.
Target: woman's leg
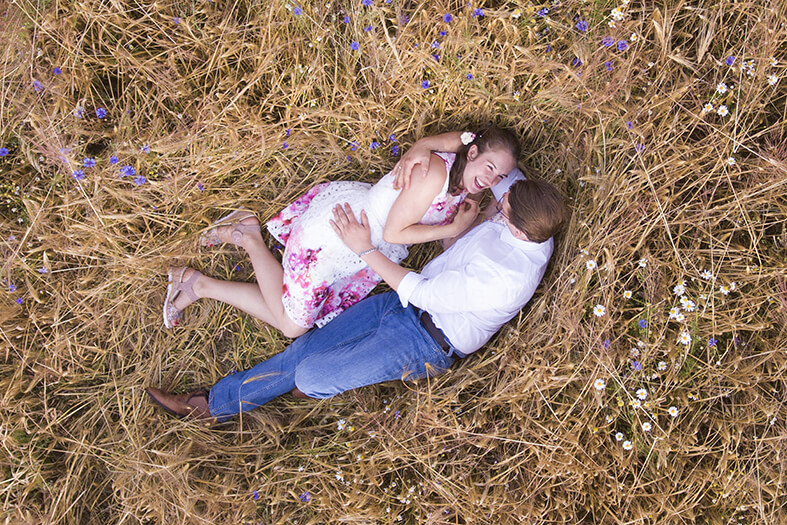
x: 262, y: 300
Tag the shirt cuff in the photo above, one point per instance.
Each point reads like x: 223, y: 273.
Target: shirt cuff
x: 407, y: 286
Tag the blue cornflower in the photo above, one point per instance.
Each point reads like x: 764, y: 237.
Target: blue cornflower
x: 548, y: 49
x: 78, y: 174
x: 287, y: 132
x: 367, y: 28
x: 642, y: 323
x: 237, y: 268
x: 478, y: 12
x: 18, y: 300
x: 305, y: 497
x: 101, y: 112
x: 255, y: 495
x: 712, y: 341
x: 353, y: 146
x: 37, y: 86
x: 636, y: 365
x: 139, y: 180
x: 582, y: 26
x: 127, y: 171
x: 435, y: 44
x: 623, y: 45
x: 436, y: 57
x: 607, y: 41
x: 629, y: 124
x: 200, y: 187
x: 88, y: 162
x: 608, y: 65
x: 79, y: 112
x: 404, y: 19
x: 285, y: 146
x: 640, y: 148
x: 395, y: 150
x: 606, y: 344
x: 392, y: 138
x: 730, y: 60
x: 297, y: 11
x: 576, y: 62
x: 57, y: 71
x: 447, y: 18
x: 176, y: 20
x: 43, y: 270
x: 366, y: 3
x: 442, y: 33
x: 3, y: 152
x: 11, y: 287
x: 374, y: 145
x: 346, y: 19
x: 355, y: 45
x: 113, y: 159
x: 145, y: 149
x: 425, y: 84
x: 469, y: 76
x: 542, y: 12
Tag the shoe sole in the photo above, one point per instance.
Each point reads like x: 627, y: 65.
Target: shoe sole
x: 170, y: 289
x: 227, y: 220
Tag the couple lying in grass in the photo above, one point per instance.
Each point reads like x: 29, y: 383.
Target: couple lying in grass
x: 342, y: 238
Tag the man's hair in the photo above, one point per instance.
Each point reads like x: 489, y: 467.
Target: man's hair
x: 537, y: 209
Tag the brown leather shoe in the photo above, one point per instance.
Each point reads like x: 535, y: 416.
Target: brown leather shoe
x: 193, y: 405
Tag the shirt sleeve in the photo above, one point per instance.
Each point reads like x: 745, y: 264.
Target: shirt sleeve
x: 471, y: 288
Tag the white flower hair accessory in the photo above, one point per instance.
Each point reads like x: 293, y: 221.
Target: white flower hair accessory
x: 467, y: 137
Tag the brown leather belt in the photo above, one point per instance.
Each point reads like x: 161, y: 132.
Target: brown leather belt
x: 438, y: 335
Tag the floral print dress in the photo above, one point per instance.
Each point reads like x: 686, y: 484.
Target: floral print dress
x: 322, y: 277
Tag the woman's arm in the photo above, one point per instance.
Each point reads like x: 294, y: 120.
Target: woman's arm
x: 402, y: 226
x: 416, y: 159
x: 357, y: 236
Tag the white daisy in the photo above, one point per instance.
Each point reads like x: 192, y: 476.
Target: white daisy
x: 609, y: 418
x: 517, y: 13
x: 341, y: 424
x: 725, y: 290
x: 772, y: 80
x: 674, y: 312
x: 687, y: 304
x: 708, y: 107
x: 599, y: 384
x: 685, y: 338
x: 679, y: 288
x: 627, y: 445
x: 590, y: 264
x: 619, y: 436
x: 636, y: 404
x: 634, y: 352
x: 599, y: 310
x: 673, y: 411
x: 646, y: 426
x: 627, y: 294
x: 661, y: 366
x: 705, y: 274
x: 722, y: 111
x: 642, y: 393
x: 643, y: 262
x: 731, y: 161
x: 721, y: 88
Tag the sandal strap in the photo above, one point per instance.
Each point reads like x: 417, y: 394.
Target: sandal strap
x: 187, y: 285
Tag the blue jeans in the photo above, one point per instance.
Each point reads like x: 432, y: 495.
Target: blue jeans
x: 373, y: 341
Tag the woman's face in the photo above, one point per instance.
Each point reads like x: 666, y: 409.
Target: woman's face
x: 484, y: 170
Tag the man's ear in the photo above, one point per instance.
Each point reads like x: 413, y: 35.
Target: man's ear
x: 472, y: 153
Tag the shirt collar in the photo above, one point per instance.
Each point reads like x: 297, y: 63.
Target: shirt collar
x: 528, y: 246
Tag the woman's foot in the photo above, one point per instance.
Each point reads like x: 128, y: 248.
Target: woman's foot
x: 231, y: 229
x: 180, y: 294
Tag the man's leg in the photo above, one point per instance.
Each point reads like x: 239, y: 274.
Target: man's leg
x: 399, y: 347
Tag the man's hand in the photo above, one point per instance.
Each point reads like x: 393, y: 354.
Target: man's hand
x: 414, y: 162
x: 356, y: 235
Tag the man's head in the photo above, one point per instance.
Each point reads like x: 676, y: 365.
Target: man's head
x: 536, y: 209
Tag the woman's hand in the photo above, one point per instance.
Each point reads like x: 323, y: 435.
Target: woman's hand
x: 414, y: 162
x: 465, y: 216
x: 356, y: 235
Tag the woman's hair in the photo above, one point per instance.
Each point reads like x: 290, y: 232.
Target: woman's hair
x: 537, y: 209
x: 491, y: 138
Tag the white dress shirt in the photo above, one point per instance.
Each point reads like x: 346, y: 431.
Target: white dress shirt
x: 478, y: 284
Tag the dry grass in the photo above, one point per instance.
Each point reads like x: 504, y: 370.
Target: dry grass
x: 516, y: 434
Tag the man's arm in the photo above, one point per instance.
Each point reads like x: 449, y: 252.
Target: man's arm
x: 358, y: 237
x: 416, y: 160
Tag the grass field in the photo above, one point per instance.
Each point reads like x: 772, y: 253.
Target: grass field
x: 645, y: 382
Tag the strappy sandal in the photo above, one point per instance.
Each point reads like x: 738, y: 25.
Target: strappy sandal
x: 172, y: 315
x: 210, y: 237
x: 179, y: 407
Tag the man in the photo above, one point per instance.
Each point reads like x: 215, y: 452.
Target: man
x: 447, y: 312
